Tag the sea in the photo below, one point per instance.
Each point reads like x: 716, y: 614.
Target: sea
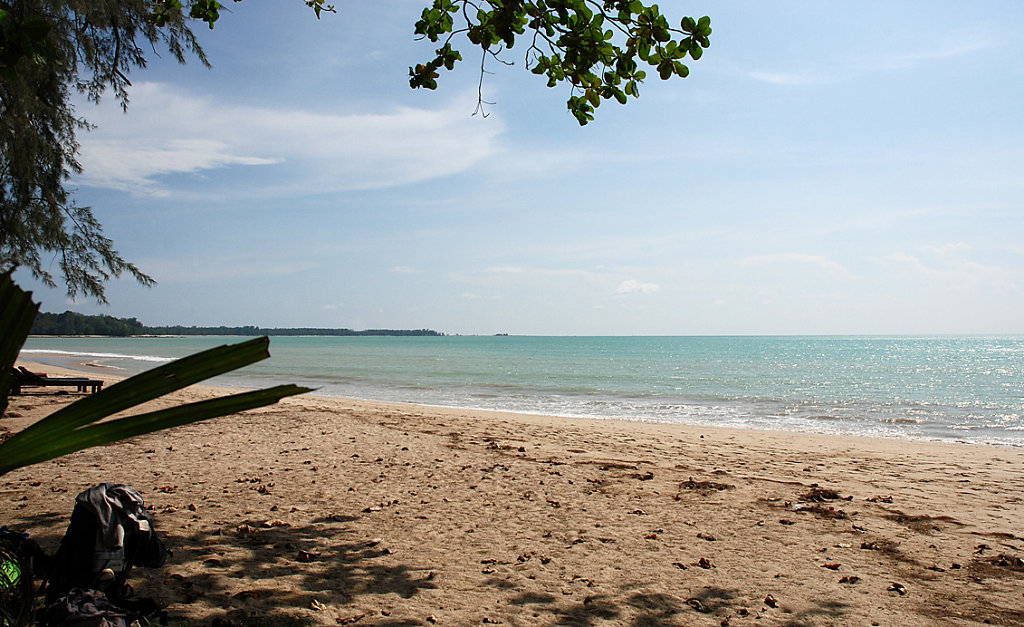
x: 967, y: 389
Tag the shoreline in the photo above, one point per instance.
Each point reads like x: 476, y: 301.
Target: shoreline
x: 73, y: 366
x: 327, y: 511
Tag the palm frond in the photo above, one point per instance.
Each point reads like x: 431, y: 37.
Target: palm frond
x: 78, y: 426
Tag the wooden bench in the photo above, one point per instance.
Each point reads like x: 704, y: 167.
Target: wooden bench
x: 25, y: 379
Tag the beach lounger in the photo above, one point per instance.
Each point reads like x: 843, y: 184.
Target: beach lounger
x: 24, y: 379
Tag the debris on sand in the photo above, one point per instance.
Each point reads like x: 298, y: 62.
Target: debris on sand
x: 822, y: 495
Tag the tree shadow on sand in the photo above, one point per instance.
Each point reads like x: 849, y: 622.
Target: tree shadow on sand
x: 272, y: 573
x: 824, y: 612
x: 636, y: 610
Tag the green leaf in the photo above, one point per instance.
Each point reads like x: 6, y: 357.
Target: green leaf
x: 73, y: 427
x: 64, y: 423
x: 17, y: 312
x: 593, y: 44
x: 36, y: 28
x: 148, y: 385
x: 16, y: 455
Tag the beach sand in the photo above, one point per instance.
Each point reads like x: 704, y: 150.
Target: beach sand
x: 326, y: 511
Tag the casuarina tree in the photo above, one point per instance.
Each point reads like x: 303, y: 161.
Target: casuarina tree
x: 52, y: 49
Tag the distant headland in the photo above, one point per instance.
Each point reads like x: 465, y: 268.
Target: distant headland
x: 71, y: 323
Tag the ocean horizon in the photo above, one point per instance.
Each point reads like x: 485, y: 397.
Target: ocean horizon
x: 942, y: 388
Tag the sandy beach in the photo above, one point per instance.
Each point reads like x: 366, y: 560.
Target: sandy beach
x: 324, y: 511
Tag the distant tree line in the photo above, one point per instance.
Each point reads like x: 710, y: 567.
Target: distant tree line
x: 251, y: 330
x: 71, y: 323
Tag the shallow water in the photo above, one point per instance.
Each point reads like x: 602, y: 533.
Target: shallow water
x: 944, y: 388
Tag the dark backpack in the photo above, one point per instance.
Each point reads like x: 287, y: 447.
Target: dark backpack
x: 21, y: 560
x: 109, y: 533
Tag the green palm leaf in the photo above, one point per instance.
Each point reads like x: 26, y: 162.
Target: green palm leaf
x: 17, y: 311
x: 77, y: 426
x: 16, y: 454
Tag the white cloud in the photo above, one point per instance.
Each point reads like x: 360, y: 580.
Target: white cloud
x: 125, y: 167
x: 195, y: 269
x: 946, y: 50
x: 497, y: 276
x: 819, y: 261
x: 904, y: 259
x: 508, y: 270
x: 952, y: 272
x: 167, y: 131
x: 842, y: 69
x: 406, y: 270
x: 949, y: 249
x: 596, y: 283
x: 789, y: 78
x: 631, y: 286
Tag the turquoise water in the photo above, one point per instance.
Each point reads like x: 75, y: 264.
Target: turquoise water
x: 945, y: 388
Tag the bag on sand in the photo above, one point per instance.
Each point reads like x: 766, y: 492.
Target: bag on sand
x: 110, y: 531
x: 21, y: 560
x: 86, y: 608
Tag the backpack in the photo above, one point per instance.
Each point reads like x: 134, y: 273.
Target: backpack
x: 20, y: 559
x: 110, y: 531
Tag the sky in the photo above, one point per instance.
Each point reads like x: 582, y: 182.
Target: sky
x: 826, y: 168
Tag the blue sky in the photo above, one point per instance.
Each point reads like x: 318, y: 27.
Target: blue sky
x: 826, y: 168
